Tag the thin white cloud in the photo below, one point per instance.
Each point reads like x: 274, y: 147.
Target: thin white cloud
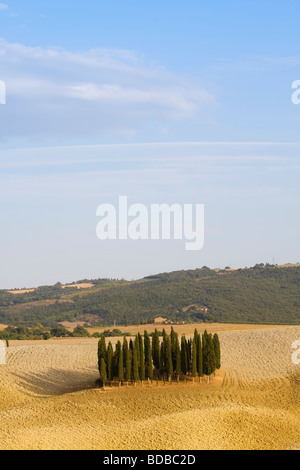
x: 91, y: 93
x: 181, y: 105
x: 3, y: 6
x: 183, y: 154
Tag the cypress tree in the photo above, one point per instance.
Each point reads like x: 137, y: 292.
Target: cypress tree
x: 126, y: 360
x: 137, y: 347
x: 115, y: 363
x: 209, y: 358
x: 142, y: 359
x: 120, y: 364
x: 163, y: 357
x: 196, y: 334
x: 101, y: 351
x: 178, y: 358
x: 156, y: 350
x: 199, y: 358
x: 166, y: 355
x: 103, y: 376
x: 204, y: 351
x: 109, y: 360
x: 189, y: 355
x: 212, y: 356
x: 194, y: 359
x: 125, y: 351
x: 184, y: 366
x: 217, y: 349
x: 135, y: 366
x: 174, y: 337
x: 168, y: 358
x: 164, y: 335
x: 148, y: 357
x: 128, y: 366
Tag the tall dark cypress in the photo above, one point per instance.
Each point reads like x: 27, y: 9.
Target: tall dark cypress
x: 189, y: 354
x: 209, y: 358
x: 103, y: 376
x: 101, y: 351
x: 120, y: 364
x: 199, y: 357
x: 168, y: 358
x: 125, y: 351
x: 142, y: 358
x: 184, y: 364
x: 126, y: 360
x: 163, y: 357
x: 217, y: 349
x: 194, y: 358
x: 135, y: 365
x: 165, y: 354
x: 156, y: 350
x: 115, y: 361
x: 173, y: 337
x: 196, y: 334
x: 148, y: 357
x: 212, y: 355
x: 128, y: 366
x: 204, y: 351
x: 178, y: 358
x: 137, y: 346
x: 109, y: 360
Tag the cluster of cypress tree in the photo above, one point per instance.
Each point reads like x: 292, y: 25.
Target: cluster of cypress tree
x: 142, y: 359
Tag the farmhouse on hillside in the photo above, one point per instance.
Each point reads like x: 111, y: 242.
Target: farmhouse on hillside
x: 160, y: 320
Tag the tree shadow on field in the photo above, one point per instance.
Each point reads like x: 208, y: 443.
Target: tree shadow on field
x: 57, y: 382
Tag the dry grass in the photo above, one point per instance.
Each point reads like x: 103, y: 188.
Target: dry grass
x: 86, y: 285
x: 21, y: 291
x: 48, y: 399
x: 187, y: 329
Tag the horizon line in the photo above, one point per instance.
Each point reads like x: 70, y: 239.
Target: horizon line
x: 148, y: 275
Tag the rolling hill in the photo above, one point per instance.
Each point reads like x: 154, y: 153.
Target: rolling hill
x: 262, y: 294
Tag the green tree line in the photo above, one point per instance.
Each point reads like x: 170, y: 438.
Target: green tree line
x: 153, y: 358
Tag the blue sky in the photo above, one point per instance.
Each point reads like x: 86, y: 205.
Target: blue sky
x: 185, y: 102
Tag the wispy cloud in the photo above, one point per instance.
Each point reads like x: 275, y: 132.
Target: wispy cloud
x: 3, y: 6
x: 91, y: 93
x: 147, y: 155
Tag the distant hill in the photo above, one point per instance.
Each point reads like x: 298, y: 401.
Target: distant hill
x: 262, y: 294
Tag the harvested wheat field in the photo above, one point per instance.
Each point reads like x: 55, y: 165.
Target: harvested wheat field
x: 83, y: 285
x: 182, y: 329
x: 48, y: 400
x: 20, y: 291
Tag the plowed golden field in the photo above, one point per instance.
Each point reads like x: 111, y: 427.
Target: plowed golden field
x: 48, y: 399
